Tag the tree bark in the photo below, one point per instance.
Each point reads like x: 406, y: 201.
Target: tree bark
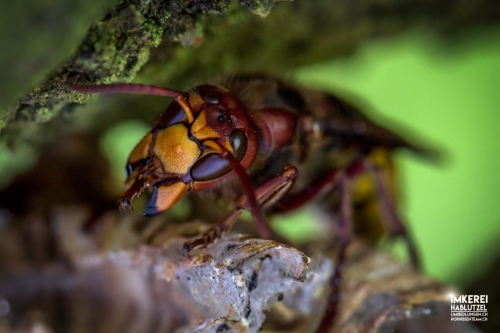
x: 119, y: 44
x: 128, y: 278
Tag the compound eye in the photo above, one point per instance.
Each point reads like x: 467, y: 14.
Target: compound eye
x: 213, y: 166
x: 209, y: 95
x: 238, y: 140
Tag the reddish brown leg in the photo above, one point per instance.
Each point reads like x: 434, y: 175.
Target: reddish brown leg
x: 390, y: 217
x: 250, y: 194
x: 297, y: 200
x: 328, y: 183
x: 393, y: 224
x: 345, y: 228
x: 136, y: 188
x: 266, y: 194
x: 325, y: 184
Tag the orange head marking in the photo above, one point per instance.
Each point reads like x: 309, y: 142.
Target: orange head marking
x: 175, y: 150
x: 141, y: 149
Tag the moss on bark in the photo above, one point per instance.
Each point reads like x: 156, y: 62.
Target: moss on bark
x: 295, y: 33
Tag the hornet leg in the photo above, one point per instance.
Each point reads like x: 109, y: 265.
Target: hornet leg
x: 266, y: 194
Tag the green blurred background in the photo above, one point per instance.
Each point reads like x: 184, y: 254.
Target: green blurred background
x: 447, y: 92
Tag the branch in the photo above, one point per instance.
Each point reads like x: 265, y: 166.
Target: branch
x: 116, y: 47
x: 228, y: 287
